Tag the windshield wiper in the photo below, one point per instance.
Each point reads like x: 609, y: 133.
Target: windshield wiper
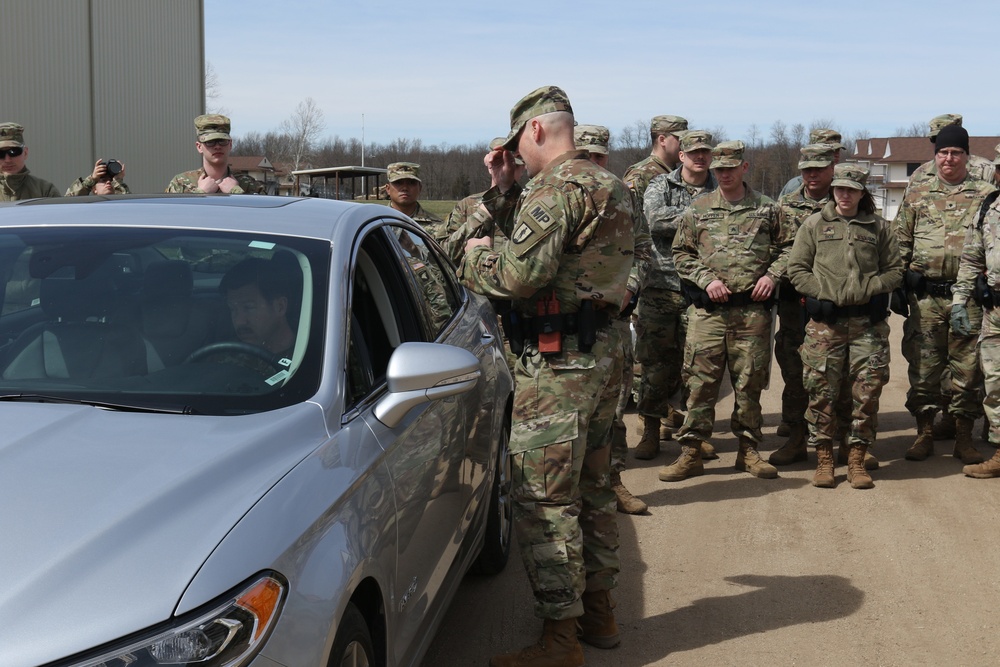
x: 119, y: 407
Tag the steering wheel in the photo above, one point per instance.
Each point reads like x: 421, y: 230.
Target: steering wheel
x: 235, y: 347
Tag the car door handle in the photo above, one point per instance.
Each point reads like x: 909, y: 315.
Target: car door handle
x: 486, y: 336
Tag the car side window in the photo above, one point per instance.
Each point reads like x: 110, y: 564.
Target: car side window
x: 435, y: 290
x: 382, y: 316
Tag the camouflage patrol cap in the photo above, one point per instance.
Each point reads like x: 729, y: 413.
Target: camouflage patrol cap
x: 547, y: 99
x: 497, y: 143
x: 212, y: 126
x: 727, y: 154
x: 849, y: 175
x: 592, y: 138
x: 824, y: 136
x: 944, y: 120
x: 816, y: 155
x: 667, y: 125
x: 696, y: 140
x: 397, y: 171
x: 11, y: 135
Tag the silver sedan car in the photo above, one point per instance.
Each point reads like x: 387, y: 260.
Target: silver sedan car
x: 240, y: 430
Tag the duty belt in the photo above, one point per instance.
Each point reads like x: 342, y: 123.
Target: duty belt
x: 740, y: 299
x: 568, y: 321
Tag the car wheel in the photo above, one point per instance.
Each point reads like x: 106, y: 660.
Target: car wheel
x: 353, y: 645
x: 499, y: 525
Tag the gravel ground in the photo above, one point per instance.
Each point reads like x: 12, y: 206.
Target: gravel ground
x: 727, y: 569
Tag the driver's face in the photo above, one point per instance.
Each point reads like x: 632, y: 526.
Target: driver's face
x: 256, y: 320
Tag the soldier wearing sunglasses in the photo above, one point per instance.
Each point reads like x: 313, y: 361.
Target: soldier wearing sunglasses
x: 16, y: 182
x: 214, y: 144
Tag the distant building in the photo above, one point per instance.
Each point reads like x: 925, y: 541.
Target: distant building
x: 256, y: 166
x: 892, y: 160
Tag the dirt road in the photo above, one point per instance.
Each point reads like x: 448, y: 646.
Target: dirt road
x: 727, y: 569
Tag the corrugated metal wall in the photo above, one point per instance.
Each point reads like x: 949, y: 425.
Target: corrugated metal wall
x: 104, y: 78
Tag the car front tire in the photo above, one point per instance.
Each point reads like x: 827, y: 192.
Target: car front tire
x: 500, y: 522
x: 353, y: 645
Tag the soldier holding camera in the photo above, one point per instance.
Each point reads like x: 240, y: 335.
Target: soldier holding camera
x: 108, y: 178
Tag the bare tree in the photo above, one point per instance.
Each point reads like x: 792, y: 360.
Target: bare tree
x: 303, y: 129
x: 914, y: 130
x: 213, y: 90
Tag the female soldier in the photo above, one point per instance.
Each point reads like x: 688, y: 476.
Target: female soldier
x: 845, y: 262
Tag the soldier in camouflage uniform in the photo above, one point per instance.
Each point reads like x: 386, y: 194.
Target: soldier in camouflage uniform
x: 99, y: 183
x: 932, y: 224
x: 470, y: 219
x: 595, y: 139
x: 981, y: 260
x: 571, y: 244
x: 817, y: 136
x: 816, y: 164
x: 979, y: 167
x: 996, y: 163
x: 664, y: 133
x: 214, y: 144
x: 660, y: 322
x: 731, y: 250
x: 16, y: 181
x: 403, y: 188
x: 845, y: 261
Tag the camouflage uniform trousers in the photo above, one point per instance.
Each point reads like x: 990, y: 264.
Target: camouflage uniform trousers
x: 989, y: 351
x: 848, y: 358
x: 787, y: 342
x: 660, y: 333
x: 931, y: 347
x: 733, y: 337
x: 564, y: 507
x: 619, y: 440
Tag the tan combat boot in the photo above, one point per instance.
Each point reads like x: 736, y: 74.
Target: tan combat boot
x: 793, y: 450
x: 944, y: 429
x: 856, y: 473
x: 688, y: 464
x: 748, y: 460
x: 649, y: 445
x: 673, y: 421
x: 923, y: 446
x: 597, y: 625
x: 824, y: 477
x: 557, y: 647
x: 708, y: 451
x: 985, y: 470
x: 871, y: 463
x: 963, y: 442
x: 627, y: 503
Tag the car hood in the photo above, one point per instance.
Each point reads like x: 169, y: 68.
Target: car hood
x: 105, y: 517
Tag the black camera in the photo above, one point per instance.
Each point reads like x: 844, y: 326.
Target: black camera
x: 111, y: 168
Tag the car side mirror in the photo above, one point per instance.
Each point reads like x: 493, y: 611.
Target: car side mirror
x: 423, y: 372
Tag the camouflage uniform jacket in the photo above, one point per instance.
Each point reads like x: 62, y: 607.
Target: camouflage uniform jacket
x: 570, y: 231
x: 797, y: 206
x: 666, y: 198
x: 979, y: 168
x: 845, y: 260
x: 82, y: 186
x: 469, y: 219
x: 932, y: 224
x: 434, y: 225
x: 642, y: 261
x: 22, y: 185
x: 638, y: 176
x: 736, y: 243
x: 188, y: 182
x: 981, y: 253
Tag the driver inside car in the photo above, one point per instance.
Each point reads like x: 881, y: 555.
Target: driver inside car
x: 259, y: 295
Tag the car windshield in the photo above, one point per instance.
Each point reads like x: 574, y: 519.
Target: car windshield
x: 197, y: 322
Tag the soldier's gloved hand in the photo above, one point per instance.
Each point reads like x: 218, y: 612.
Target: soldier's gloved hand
x: 960, y: 320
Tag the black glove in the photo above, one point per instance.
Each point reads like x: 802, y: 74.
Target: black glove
x: 898, y: 303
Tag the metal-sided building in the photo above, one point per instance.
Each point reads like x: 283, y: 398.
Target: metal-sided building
x: 93, y: 79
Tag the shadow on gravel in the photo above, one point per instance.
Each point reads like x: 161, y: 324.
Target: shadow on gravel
x: 722, y: 483
x: 774, y: 602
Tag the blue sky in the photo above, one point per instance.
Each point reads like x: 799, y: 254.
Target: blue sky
x: 447, y: 71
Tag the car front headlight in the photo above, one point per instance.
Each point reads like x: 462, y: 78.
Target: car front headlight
x: 229, y: 634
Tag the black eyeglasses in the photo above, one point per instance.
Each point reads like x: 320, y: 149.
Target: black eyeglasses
x: 217, y: 142
x: 10, y: 152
